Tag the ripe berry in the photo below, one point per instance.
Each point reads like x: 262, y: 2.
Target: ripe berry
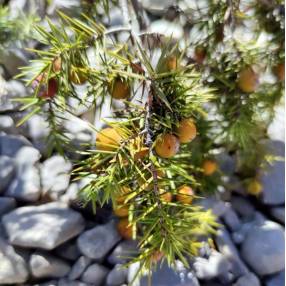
x: 124, y: 191
x: 165, y: 196
x: 254, y: 188
x: 247, y: 80
x: 108, y: 139
x: 51, y: 90
x: 121, y: 211
x: 157, y: 256
x: 200, y: 54
x: 279, y: 71
x: 119, y: 89
x: 77, y: 76
x: 167, y: 145
x: 171, y: 63
x: 209, y: 167
x: 124, y: 229
x: 57, y: 65
x: 187, y: 130
x: 185, y: 195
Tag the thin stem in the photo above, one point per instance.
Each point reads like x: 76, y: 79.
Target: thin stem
x: 139, y: 12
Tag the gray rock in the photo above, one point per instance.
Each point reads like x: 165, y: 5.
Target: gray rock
x: 11, y: 144
x: 55, y: 175
x: 66, y: 282
x: 12, y: 59
x: 68, y: 250
x: 242, y: 206
x: 276, y: 280
x: 7, y: 171
x: 227, y: 163
x: 117, y: 276
x: 132, y: 277
x: 217, y: 206
x: 167, y: 28
x: 278, y: 213
x: 71, y: 195
x: 247, y: 279
x: 45, y: 265
x: 26, y: 186
x: 79, y: 267
x: 157, y: 6
x: 45, y: 226
x: 166, y: 276
x: 6, y: 205
x: 7, y: 124
x: 97, y: 242
x: 216, y: 265
x: 27, y: 156
x: 273, y: 177
x: 263, y: 248
x: 8, y: 91
x: 123, y: 252
x: 94, y: 274
x: 231, y: 219
x: 13, y: 268
x: 228, y: 249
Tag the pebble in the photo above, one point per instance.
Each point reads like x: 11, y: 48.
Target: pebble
x: 216, y: 265
x: 167, y: 28
x: 276, y: 280
x: 45, y: 265
x: 273, y: 177
x: 227, y: 248
x: 231, y: 219
x: 6, y: 205
x: 8, y: 91
x: 45, y: 226
x: 94, y: 274
x: 11, y: 144
x: 242, y: 206
x: 217, y: 206
x: 117, y: 276
x: 13, y: 268
x: 68, y: 250
x: 7, y: 124
x: 7, y: 171
x: 27, y: 185
x: 55, y: 174
x: 98, y: 241
x: 79, y: 267
x: 66, y: 282
x: 278, y: 213
x: 248, y: 279
x: 264, y: 249
x: 123, y: 252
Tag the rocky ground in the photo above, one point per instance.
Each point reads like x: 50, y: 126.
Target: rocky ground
x: 48, y: 238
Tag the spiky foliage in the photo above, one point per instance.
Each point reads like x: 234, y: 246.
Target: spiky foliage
x: 123, y: 166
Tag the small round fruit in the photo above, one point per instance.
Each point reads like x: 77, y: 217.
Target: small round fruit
x: 121, y: 211
x: 124, y: 191
x: 187, y: 130
x: 124, y: 229
x: 247, y: 80
x: 279, y: 71
x: 77, y: 76
x: 51, y: 90
x: 200, y: 54
x: 209, y: 167
x: 57, y: 64
x: 167, y: 145
x: 254, y: 188
x: 108, y: 139
x: 119, y: 89
x: 185, y: 195
x: 165, y: 196
x: 157, y: 256
x: 171, y: 63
